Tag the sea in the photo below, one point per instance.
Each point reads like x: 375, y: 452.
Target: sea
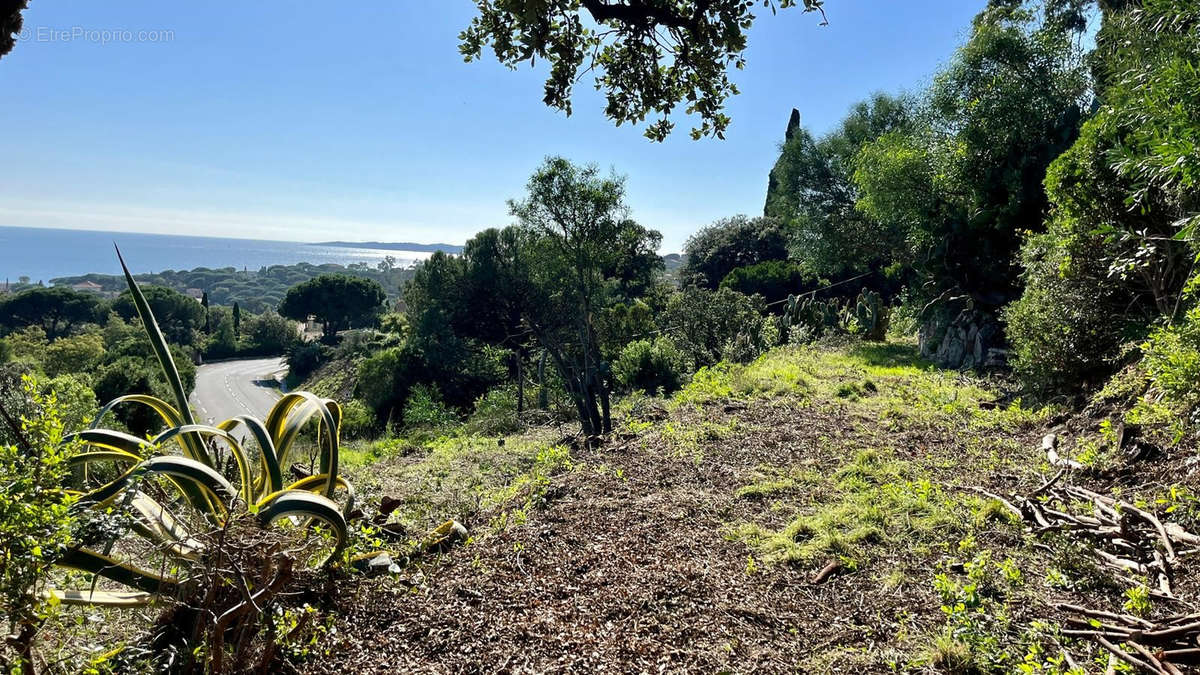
x: 43, y: 254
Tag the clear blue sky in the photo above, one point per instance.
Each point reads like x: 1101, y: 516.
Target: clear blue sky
x: 314, y: 121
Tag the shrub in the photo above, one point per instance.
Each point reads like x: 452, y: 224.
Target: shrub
x: 727, y: 244
x: 424, y: 409
x: 358, y: 421
x: 383, y: 381
x: 703, y: 322
x: 655, y: 367
x: 269, y: 333
x: 5, y: 351
x: 496, y: 412
x: 1068, y: 326
x: 1172, y: 362
x: 773, y: 279
x: 304, y: 358
x: 128, y: 375
x: 35, y: 514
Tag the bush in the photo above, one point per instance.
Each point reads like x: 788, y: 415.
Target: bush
x: 357, y: 420
x: 655, y: 367
x: 383, y: 381
x: 496, y: 412
x: 268, y: 334
x: 35, y: 515
x: 727, y: 244
x: 775, y: 280
x: 1069, y: 324
x: 424, y: 409
x: 128, y: 375
x: 704, y: 323
x: 304, y: 358
x: 1172, y: 362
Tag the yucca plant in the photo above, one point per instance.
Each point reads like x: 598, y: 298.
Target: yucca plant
x: 188, y: 457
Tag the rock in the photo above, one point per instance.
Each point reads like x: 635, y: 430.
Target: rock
x: 382, y: 564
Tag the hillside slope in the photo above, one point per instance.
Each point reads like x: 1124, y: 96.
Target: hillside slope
x: 823, y: 509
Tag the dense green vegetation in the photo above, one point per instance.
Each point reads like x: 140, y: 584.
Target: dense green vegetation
x: 733, y: 448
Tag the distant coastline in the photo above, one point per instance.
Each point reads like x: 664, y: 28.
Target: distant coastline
x: 394, y: 246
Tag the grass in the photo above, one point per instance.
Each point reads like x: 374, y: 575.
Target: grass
x: 871, y: 503
x: 889, y: 380
x: 460, y: 476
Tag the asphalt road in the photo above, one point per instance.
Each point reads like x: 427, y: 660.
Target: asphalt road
x: 239, y: 387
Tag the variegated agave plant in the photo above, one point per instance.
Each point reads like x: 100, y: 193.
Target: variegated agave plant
x: 186, y: 457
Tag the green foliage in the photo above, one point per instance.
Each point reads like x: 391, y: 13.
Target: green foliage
x: 36, y: 520
x: 394, y: 323
x: 384, y: 381
x: 425, y: 410
x: 255, y: 291
x: 1116, y: 255
x: 358, y: 421
x: 812, y: 189
x: 181, y: 315
x: 705, y: 324
x: 338, y: 301
x: 1172, y: 362
x: 56, y: 310
x: 720, y: 248
x: 774, y: 280
x: 270, y: 334
x: 656, y: 367
x: 128, y: 375
x: 76, y: 354
x: 966, y: 179
x: 304, y: 358
x: 496, y: 412
x: 649, y: 59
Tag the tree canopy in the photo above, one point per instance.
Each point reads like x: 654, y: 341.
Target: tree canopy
x: 179, y: 316
x: 338, y: 301
x: 650, y: 56
x: 10, y: 23
x: 720, y: 248
x: 56, y: 309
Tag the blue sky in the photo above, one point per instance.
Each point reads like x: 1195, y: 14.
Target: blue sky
x: 314, y: 121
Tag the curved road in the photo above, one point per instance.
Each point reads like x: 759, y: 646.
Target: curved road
x: 240, y: 387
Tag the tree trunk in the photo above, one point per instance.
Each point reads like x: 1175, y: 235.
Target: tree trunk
x: 520, y: 383
x: 543, y: 395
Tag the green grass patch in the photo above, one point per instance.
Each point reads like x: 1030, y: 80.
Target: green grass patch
x: 871, y: 502
x: 456, y: 476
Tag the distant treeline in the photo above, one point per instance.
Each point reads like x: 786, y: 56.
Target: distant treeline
x: 395, y: 246
x: 256, y: 291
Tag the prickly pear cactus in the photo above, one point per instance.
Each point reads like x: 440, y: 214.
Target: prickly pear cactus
x: 871, y: 315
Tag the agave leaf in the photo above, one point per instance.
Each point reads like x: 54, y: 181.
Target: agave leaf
x: 117, y: 456
x: 271, y: 478
x: 235, y: 448
x: 157, y: 524
x: 316, y: 483
x: 102, y: 598
x: 165, y: 410
x: 183, y: 469
x: 123, y: 573
x: 288, y: 417
x: 307, y: 505
x: 159, y: 344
